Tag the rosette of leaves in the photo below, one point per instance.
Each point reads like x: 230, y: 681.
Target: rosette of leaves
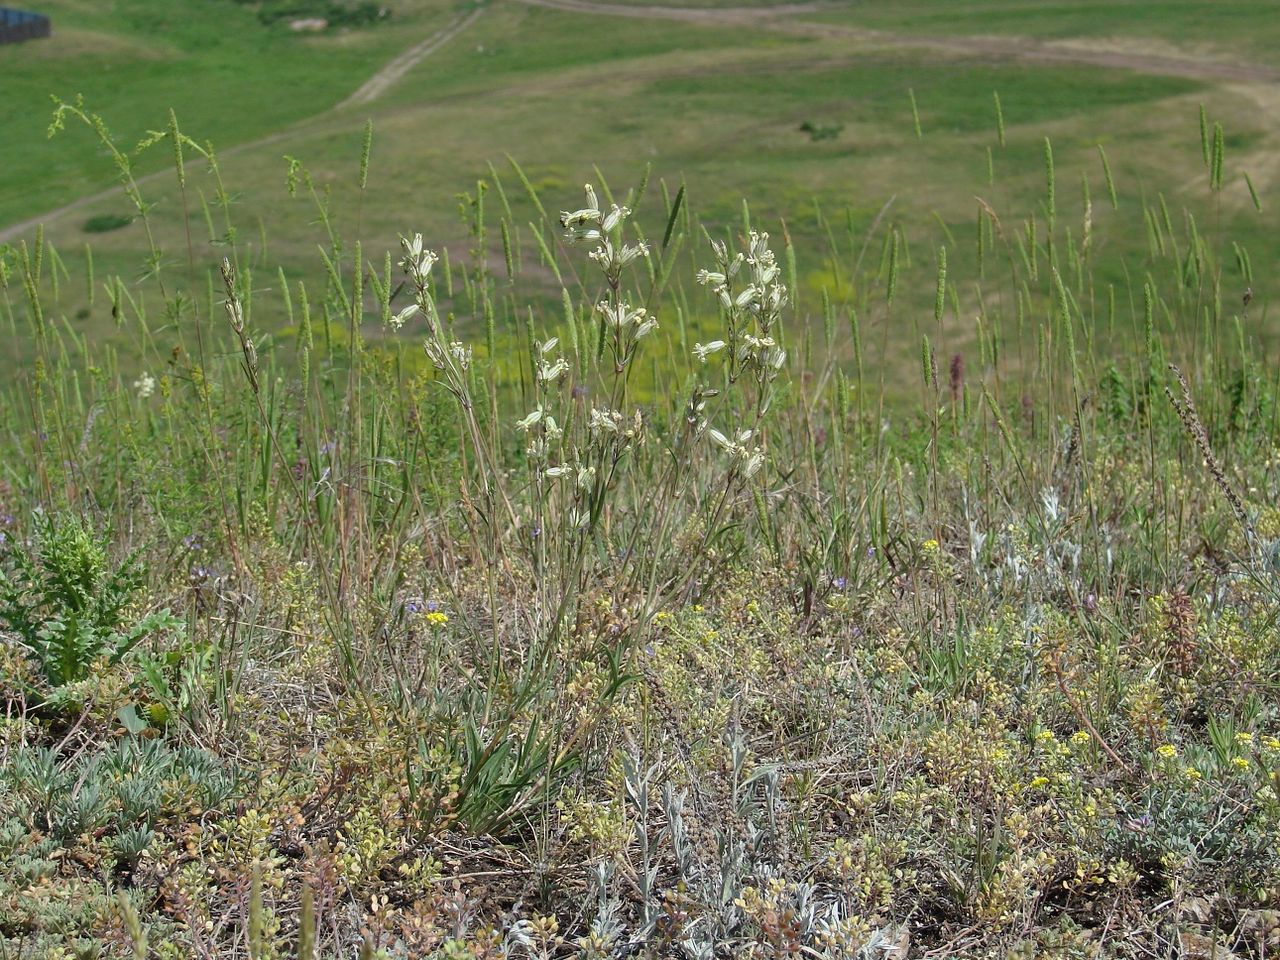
x: 68, y: 604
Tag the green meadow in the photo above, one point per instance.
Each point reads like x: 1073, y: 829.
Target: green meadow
x: 725, y: 110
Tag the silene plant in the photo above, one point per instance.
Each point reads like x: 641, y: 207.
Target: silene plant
x: 591, y: 487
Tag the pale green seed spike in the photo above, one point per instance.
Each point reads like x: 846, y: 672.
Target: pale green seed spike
x: 915, y: 112
x: 995, y: 94
x: 506, y: 250
x: 366, y: 148
x: 1106, y: 173
x: 571, y: 322
x: 1215, y: 172
x: 1155, y: 245
x: 1148, y: 319
x: 490, y: 327
x: 1050, y: 188
x: 88, y: 267
x: 855, y: 331
x: 545, y: 255
x: 55, y: 263
x: 284, y: 292
x: 1253, y: 193
x: 448, y: 273
x: 37, y: 261
x: 175, y: 137
x: 528, y: 187
x: 357, y: 286
x: 1204, y: 135
x: 940, y: 295
x: 481, y: 189
x: 304, y: 330
x: 828, y: 321
x: 841, y: 399
x: 641, y: 187
x: 384, y: 289
x: 789, y: 255
x: 982, y: 245
x: 502, y: 194
x: 891, y: 288
x: 1164, y: 216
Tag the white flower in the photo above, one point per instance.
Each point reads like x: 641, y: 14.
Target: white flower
x: 704, y: 350
x: 578, y: 218
x: 615, y: 217
x: 417, y: 262
x: 604, y: 420
x: 461, y: 354
x: 398, y: 320
x: 611, y: 257
x: 145, y: 385
x: 621, y: 315
x: 752, y: 460
x: 530, y: 420
x: 550, y: 372
x: 630, y: 252
x: 575, y: 221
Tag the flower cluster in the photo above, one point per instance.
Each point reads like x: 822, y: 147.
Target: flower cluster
x: 752, y: 311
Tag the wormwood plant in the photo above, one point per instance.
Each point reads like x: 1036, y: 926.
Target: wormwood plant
x: 67, y: 604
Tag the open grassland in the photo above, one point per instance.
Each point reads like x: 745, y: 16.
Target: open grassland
x: 796, y: 114
x: 846, y: 529
x: 211, y: 61
x: 573, y: 636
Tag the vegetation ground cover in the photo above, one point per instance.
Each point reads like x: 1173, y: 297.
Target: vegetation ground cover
x: 845, y: 546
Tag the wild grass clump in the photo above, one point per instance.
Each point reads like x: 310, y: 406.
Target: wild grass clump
x: 598, y: 591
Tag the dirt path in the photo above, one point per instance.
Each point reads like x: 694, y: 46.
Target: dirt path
x: 396, y: 68
x: 391, y: 72
x: 1018, y: 49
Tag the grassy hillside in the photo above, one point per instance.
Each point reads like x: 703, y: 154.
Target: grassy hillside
x: 430, y: 602
x: 796, y: 118
x: 845, y: 529
x: 212, y: 61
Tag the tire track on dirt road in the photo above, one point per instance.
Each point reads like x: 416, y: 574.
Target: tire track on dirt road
x: 1014, y: 48
x: 396, y: 69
